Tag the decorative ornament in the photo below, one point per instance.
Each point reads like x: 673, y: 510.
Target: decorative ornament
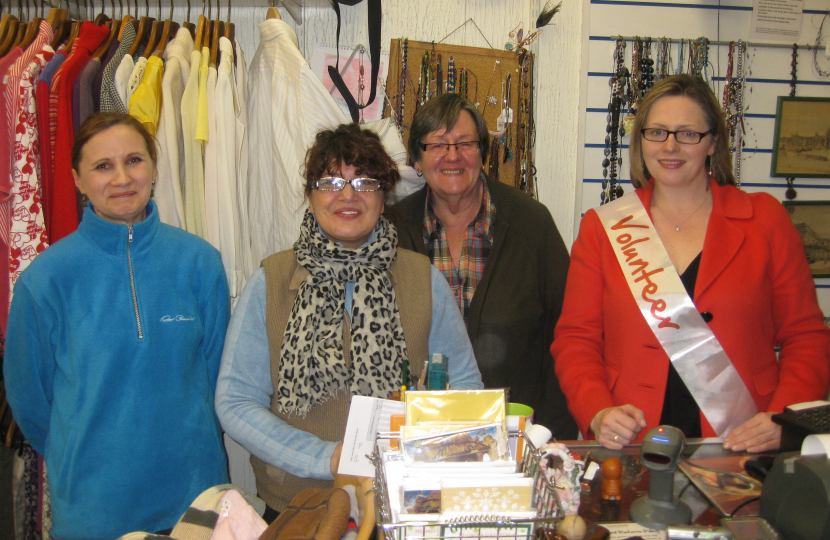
x: 547, y: 14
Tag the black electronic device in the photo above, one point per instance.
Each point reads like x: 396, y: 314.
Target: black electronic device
x: 795, y: 498
x: 759, y: 466
x: 797, y: 422
x: 660, y: 453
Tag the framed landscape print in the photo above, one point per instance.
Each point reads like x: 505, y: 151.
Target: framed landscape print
x: 812, y: 221
x: 801, y: 146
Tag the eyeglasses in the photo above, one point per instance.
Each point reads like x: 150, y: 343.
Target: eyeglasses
x: 440, y: 149
x: 335, y: 183
x: 683, y: 137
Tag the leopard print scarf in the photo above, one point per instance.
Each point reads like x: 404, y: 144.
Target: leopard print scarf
x: 312, y: 364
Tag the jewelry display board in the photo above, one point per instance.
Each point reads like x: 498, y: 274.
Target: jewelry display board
x: 489, y: 78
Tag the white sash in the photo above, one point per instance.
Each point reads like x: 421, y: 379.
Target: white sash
x: 692, y: 347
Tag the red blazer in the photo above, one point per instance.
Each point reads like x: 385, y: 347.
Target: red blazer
x: 755, y: 281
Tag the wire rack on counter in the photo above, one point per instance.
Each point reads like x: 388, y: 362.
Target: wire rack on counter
x: 475, y: 526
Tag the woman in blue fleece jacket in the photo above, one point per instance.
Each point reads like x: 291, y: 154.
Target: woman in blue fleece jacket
x: 113, y: 346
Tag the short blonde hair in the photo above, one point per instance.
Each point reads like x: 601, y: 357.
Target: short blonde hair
x: 694, y: 88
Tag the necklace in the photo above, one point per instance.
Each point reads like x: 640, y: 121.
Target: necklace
x: 791, y: 193
x: 677, y: 227
x: 611, y: 162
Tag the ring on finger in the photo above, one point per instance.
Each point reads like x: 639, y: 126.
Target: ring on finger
x: 616, y: 438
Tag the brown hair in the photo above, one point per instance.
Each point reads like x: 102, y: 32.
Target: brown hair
x: 98, y: 122
x: 349, y: 144
x: 696, y: 89
x: 442, y: 112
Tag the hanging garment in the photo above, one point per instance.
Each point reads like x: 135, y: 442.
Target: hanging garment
x: 136, y: 77
x: 227, y: 124
x: 122, y: 80
x: 27, y: 231
x: 98, y: 80
x: 110, y: 98
x: 242, y: 135
x: 287, y: 106
x: 82, y: 93
x: 5, y: 187
x: 145, y: 103
x: 65, y: 217
x: 44, y: 138
x: 211, y: 154
x: 194, y: 186
x: 10, y: 113
x: 170, y: 165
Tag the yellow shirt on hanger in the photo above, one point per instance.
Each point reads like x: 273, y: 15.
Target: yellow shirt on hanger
x: 145, y: 103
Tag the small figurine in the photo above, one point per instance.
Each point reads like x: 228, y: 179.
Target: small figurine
x: 611, y: 483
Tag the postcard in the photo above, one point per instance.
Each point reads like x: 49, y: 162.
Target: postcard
x: 478, y: 444
x: 487, y: 495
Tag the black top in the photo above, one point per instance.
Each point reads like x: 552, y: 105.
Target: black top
x: 679, y: 407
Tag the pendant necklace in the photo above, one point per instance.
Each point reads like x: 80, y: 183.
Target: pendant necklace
x: 677, y: 227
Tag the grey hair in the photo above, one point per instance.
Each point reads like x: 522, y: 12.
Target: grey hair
x: 442, y: 112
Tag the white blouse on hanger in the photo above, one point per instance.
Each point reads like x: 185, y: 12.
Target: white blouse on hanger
x: 287, y: 106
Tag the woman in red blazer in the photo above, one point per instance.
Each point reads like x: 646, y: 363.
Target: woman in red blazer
x: 739, y: 256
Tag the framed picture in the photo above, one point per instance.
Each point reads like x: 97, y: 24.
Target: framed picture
x: 812, y: 220
x: 801, y: 146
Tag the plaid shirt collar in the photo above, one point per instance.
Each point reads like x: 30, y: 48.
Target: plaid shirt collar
x: 482, y: 226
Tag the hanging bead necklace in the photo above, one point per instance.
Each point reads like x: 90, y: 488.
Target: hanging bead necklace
x: 404, y: 77
x: 462, y: 82
x: 527, y: 136
x: 610, y: 164
x: 360, y: 86
x: 739, y: 111
x: 451, y: 76
x: 791, y: 192
x: 663, y: 59
x: 680, y: 57
x: 439, y: 77
x: 646, y: 68
x: 508, y: 114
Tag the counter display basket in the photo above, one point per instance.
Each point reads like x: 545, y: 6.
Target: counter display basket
x: 545, y: 501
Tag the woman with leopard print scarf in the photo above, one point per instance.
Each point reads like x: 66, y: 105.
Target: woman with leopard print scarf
x: 334, y: 317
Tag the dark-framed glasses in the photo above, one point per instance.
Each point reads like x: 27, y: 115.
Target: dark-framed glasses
x: 683, y: 137
x: 439, y: 149
x: 335, y: 183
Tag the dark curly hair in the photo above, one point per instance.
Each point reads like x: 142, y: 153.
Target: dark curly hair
x: 351, y: 145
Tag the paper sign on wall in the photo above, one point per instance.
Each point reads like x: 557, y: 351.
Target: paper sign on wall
x: 776, y: 20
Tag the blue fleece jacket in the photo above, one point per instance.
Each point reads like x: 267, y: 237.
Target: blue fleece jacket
x: 111, y: 373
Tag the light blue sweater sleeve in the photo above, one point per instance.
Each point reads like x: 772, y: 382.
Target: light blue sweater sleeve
x: 448, y: 336
x: 244, y: 389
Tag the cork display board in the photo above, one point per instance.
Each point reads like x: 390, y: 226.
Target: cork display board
x: 493, y: 78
